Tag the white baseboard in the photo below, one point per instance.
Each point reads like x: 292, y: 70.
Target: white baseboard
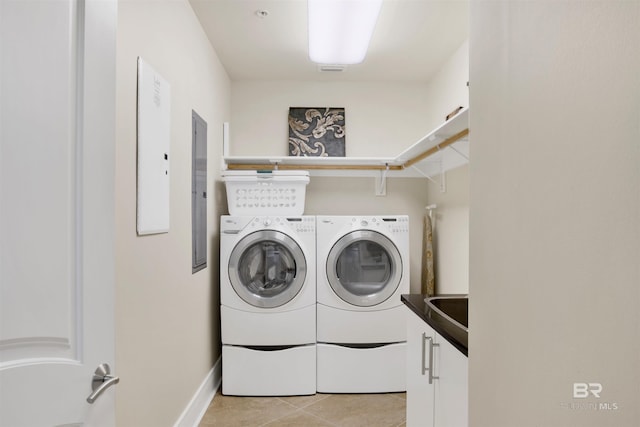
x: 195, y: 410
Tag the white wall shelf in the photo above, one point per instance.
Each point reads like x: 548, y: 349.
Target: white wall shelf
x: 444, y: 148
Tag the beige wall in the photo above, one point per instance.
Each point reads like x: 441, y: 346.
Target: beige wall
x: 555, y: 212
x: 167, y: 327
x: 448, y: 89
x: 383, y: 119
x: 356, y: 196
x: 451, y: 231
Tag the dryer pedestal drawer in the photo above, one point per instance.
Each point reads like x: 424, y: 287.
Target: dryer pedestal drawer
x: 286, y: 372
x: 336, y: 325
x: 361, y: 370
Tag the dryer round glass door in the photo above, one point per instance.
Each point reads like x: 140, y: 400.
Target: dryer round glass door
x: 267, y: 268
x: 364, y: 268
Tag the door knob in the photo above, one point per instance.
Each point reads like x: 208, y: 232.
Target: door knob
x: 102, y: 380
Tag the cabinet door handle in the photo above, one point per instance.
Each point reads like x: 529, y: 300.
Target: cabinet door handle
x: 431, y: 345
x: 424, y: 340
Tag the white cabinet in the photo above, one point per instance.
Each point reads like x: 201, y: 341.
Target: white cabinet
x: 436, y: 378
x: 452, y: 386
x: 420, y: 394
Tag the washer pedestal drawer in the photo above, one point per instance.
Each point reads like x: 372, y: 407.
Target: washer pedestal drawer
x: 269, y: 372
x: 361, y: 370
x: 268, y: 327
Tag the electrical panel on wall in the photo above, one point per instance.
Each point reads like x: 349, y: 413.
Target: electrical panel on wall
x: 153, y: 151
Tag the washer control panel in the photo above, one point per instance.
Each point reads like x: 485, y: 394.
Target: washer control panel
x: 299, y: 224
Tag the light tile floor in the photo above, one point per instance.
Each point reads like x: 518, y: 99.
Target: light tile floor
x: 319, y: 410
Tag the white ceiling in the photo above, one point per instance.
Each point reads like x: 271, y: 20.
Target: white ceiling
x: 412, y: 39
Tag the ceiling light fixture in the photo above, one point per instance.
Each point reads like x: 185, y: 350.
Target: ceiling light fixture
x: 340, y: 30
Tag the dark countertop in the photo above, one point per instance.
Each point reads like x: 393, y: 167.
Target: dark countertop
x: 456, y: 336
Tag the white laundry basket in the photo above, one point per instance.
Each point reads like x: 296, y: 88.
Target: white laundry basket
x: 266, y: 192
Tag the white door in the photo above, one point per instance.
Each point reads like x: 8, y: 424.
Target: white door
x: 57, y: 130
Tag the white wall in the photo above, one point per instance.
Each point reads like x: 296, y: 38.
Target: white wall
x: 382, y: 119
x: 167, y: 328
x: 555, y: 212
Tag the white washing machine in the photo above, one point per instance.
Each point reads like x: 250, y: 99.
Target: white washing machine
x: 268, y: 305
x: 363, y: 268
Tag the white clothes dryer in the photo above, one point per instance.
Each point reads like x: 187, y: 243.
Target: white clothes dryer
x: 268, y: 305
x: 363, y: 268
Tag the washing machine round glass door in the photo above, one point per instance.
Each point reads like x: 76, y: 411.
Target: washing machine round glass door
x: 267, y: 268
x: 364, y: 268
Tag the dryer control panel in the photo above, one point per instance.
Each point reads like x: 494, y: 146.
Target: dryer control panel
x: 304, y: 224
x: 397, y: 224
x: 394, y: 224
